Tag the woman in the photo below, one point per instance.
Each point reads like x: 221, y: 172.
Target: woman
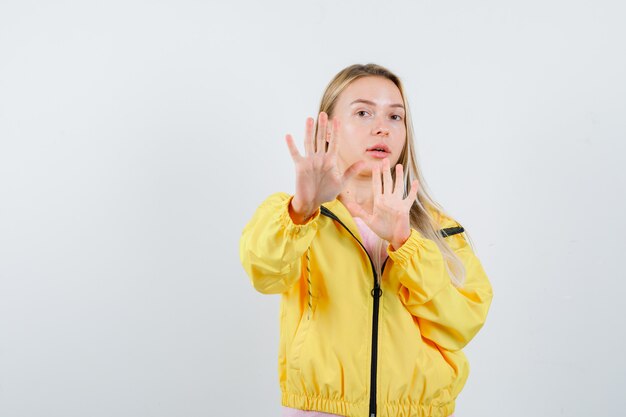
x: 380, y: 288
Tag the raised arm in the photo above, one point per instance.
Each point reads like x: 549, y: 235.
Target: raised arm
x: 273, y: 242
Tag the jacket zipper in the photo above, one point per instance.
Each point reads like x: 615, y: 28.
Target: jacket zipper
x: 376, y: 293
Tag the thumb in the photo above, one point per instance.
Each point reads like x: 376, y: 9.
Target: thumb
x: 413, y: 193
x: 354, y: 207
x: 353, y: 170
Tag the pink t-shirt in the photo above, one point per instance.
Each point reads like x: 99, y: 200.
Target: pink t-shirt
x: 375, y: 246
x: 372, y: 244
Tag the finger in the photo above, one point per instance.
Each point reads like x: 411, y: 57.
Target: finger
x: 293, y: 149
x: 334, y: 136
x: 398, y: 187
x: 413, y: 193
x: 377, y: 187
x: 357, y: 210
x: 322, y: 122
x: 353, y: 170
x: 308, y: 137
x: 387, y: 180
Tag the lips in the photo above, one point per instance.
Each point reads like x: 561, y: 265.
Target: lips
x: 378, y: 151
x: 379, y: 147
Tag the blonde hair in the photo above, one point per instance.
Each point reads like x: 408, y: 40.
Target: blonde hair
x: 420, y: 212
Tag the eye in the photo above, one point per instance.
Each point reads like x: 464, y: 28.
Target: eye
x: 398, y: 117
x: 361, y: 111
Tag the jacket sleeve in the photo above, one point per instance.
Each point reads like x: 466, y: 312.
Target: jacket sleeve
x: 271, y: 246
x: 447, y: 315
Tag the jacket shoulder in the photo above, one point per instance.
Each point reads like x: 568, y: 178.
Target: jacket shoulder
x: 441, y: 219
x: 276, y: 197
x: 445, y: 223
x: 274, y: 200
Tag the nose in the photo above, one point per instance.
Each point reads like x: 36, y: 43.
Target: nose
x: 380, y: 127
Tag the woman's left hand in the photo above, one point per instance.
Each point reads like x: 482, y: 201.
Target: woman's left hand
x: 390, y: 216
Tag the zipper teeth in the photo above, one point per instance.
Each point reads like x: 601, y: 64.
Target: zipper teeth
x: 379, y: 292
x: 374, y: 362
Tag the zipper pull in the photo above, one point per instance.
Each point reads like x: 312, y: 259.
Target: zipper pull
x: 377, y: 292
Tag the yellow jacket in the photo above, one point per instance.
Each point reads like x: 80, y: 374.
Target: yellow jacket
x: 347, y: 346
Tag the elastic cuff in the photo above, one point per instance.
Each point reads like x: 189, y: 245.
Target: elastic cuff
x: 408, y: 248
x: 287, y: 221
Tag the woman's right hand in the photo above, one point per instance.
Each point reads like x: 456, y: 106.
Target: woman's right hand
x: 318, y: 178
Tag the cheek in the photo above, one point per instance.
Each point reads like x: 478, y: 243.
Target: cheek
x: 348, y: 129
x: 400, y: 129
x: 348, y: 148
x: 401, y: 135
x: 399, y: 146
x: 347, y: 136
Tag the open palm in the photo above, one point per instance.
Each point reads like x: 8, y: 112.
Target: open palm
x: 390, y: 213
x: 318, y: 178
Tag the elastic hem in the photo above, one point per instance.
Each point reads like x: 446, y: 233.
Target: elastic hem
x: 359, y: 409
x: 324, y: 405
x: 414, y: 409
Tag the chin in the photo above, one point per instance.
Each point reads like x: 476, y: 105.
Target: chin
x: 369, y: 164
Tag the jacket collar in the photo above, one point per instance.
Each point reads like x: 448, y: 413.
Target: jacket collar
x: 342, y: 213
x: 448, y: 225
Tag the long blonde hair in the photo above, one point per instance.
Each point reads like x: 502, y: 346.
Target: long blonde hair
x: 420, y: 217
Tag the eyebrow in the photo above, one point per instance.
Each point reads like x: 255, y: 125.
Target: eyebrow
x: 371, y: 103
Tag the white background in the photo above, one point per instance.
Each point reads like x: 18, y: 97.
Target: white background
x: 137, y: 139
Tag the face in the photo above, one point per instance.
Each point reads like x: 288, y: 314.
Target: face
x: 372, y: 128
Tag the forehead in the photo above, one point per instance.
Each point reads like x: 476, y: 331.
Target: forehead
x: 377, y: 89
